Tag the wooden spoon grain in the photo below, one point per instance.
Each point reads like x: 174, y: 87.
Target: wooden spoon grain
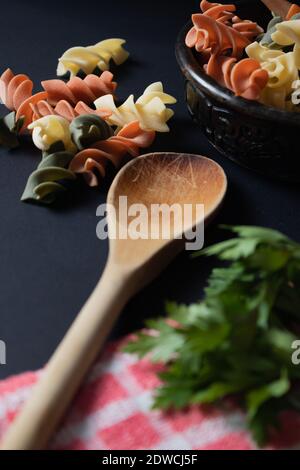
x: 154, y: 178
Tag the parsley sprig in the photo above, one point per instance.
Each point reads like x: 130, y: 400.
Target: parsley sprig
x: 238, y: 339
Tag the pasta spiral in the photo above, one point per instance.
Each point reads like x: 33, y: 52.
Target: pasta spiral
x: 245, y: 78
x: 9, y: 130
x: 67, y: 100
x: 226, y: 14
x: 217, y: 11
x: 91, y: 59
x: 94, y: 159
x: 88, y: 129
x: 16, y: 95
x: 266, y: 39
x: 50, y: 178
x: 287, y: 33
x: 65, y: 110
x: 55, y: 137
x: 50, y: 129
x: 262, y: 53
x: 221, y: 36
x: 76, y: 89
x: 282, y: 69
x: 248, y: 28
x: 149, y: 110
x: 211, y: 36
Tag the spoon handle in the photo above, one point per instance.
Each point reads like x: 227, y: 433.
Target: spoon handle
x: 280, y: 7
x: 66, y: 369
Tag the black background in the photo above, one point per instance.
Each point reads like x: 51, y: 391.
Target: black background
x: 50, y: 258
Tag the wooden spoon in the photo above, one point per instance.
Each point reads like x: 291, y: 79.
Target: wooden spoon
x: 280, y: 7
x: 154, y: 178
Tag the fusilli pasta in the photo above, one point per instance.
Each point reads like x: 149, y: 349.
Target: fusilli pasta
x: 211, y: 36
x: 16, y: 95
x: 217, y: 11
x: 48, y: 181
x: 282, y: 71
x: 88, y: 129
x: 262, y: 53
x: 92, y: 162
x: 218, y: 30
x: 9, y: 130
x: 149, y: 110
x: 287, y: 33
x: 245, y: 78
x: 65, y: 99
x: 226, y: 14
x: 65, y: 110
x: 76, y: 89
x: 49, y: 130
x: 91, y: 59
x: 221, y: 37
x: 266, y: 39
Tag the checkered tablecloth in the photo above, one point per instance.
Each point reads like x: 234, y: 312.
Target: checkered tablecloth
x: 113, y: 412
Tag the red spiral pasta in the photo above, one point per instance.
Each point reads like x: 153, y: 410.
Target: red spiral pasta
x: 128, y: 141
x: 68, y: 99
x: 221, y: 37
x: 248, y: 28
x: 219, y: 30
x: 226, y: 14
x: 16, y: 95
x: 209, y: 35
x: 76, y: 89
x: 64, y: 109
x: 217, y: 11
x: 245, y: 78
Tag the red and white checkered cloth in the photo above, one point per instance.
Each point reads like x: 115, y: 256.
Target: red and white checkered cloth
x: 113, y: 412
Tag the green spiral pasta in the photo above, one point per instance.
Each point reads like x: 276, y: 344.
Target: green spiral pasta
x: 266, y: 39
x: 9, y: 130
x: 88, y: 129
x: 47, y: 182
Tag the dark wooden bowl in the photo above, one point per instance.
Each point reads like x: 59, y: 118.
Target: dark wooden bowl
x: 256, y: 136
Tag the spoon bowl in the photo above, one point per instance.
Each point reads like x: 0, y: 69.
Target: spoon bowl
x: 159, y: 182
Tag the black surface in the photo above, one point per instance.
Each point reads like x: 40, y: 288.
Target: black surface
x: 51, y: 259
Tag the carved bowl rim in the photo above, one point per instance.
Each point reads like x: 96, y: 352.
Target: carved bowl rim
x: 194, y: 73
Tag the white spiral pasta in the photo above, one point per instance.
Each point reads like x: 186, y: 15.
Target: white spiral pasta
x: 262, y: 53
x: 89, y: 58
x: 49, y: 130
x: 149, y: 110
x: 283, y: 70
x: 287, y: 33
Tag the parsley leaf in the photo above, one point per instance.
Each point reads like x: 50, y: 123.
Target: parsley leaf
x: 238, y: 339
